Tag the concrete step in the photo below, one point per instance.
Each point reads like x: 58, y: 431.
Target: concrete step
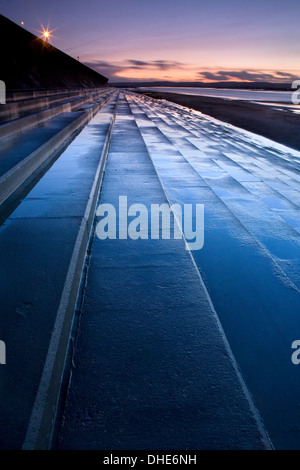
x: 21, y: 95
x: 26, y: 152
x: 43, y: 246
x: 21, y: 115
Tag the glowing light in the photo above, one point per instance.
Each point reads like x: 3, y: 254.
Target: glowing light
x: 46, y: 34
x: 22, y: 22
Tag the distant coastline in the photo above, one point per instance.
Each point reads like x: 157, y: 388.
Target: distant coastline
x: 267, y: 96
x: 284, y: 86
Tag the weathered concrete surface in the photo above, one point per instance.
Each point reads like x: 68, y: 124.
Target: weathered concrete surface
x: 42, y: 250
x: 152, y: 366
x: 251, y: 256
x: 152, y: 369
x: 277, y: 125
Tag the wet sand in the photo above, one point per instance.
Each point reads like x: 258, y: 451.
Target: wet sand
x: 281, y: 126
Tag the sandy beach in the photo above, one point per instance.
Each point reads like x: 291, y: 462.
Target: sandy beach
x: 281, y: 126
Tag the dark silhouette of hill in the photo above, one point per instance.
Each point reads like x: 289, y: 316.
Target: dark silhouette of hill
x: 29, y: 62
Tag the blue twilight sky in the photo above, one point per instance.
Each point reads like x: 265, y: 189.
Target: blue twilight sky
x: 172, y: 39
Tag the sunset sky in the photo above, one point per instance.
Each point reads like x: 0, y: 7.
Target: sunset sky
x: 177, y: 40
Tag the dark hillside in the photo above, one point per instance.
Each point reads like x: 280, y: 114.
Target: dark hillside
x: 28, y: 62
